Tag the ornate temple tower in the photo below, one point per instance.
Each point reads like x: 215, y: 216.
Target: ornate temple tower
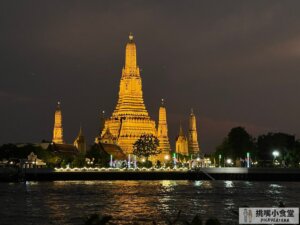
x: 130, y: 118
x: 79, y: 142
x: 58, y: 129
x: 193, y: 139
x: 162, y: 133
x: 182, y: 143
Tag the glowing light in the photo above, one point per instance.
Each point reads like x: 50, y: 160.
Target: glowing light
x: 275, y: 153
x: 229, y: 161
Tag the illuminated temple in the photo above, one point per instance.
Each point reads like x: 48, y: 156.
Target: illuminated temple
x: 130, y: 118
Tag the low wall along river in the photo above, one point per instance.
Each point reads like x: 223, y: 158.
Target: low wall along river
x: 231, y: 173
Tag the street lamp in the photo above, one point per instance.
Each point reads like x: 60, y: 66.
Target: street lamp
x: 275, y: 154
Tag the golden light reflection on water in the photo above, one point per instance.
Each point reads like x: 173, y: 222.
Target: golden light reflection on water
x: 68, y: 202
x: 168, y: 183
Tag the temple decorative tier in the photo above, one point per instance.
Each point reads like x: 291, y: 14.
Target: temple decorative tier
x: 58, y: 128
x: 130, y: 118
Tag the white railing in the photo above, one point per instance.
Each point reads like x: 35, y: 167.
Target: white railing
x: 104, y: 169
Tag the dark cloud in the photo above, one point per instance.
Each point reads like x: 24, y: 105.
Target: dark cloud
x: 234, y: 62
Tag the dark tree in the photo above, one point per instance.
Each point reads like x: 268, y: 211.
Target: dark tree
x: 284, y: 143
x: 236, y: 145
x: 146, y: 146
x: 97, y: 153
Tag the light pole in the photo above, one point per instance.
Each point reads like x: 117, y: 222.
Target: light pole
x: 248, y: 159
x: 220, y: 157
x: 129, y: 161
x: 111, y: 161
x: 174, y: 160
x: 135, y: 166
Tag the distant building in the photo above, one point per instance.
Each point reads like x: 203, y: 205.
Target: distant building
x: 64, y: 149
x: 108, y: 138
x: 114, y: 150
x: 33, y: 161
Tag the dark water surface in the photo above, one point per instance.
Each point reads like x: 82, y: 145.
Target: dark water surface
x: 69, y: 202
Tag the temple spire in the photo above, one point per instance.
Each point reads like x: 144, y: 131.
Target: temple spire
x: 80, y: 131
x: 181, y: 142
x: 180, y: 130
x: 58, y: 128
x: 130, y: 118
x: 162, y: 133
x: 193, y: 137
x: 131, y: 67
x: 130, y: 36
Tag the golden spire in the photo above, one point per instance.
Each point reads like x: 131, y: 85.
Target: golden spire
x: 58, y: 105
x: 181, y: 142
x: 58, y: 129
x: 130, y: 57
x: 80, y: 131
x: 130, y: 36
x: 162, y: 132
x: 193, y: 137
x: 181, y: 130
x: 130, y: 118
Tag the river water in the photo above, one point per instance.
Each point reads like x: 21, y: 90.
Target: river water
x: 140, y: 202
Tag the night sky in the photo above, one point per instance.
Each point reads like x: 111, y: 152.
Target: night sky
x: 236, y: 63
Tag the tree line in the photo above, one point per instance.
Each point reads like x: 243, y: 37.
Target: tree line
x: 261, y: 149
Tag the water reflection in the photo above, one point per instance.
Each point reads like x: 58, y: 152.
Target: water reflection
x: 198, y: 183
x: 168, y: 183
x: 228, y: 184
x: 136, y: 201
